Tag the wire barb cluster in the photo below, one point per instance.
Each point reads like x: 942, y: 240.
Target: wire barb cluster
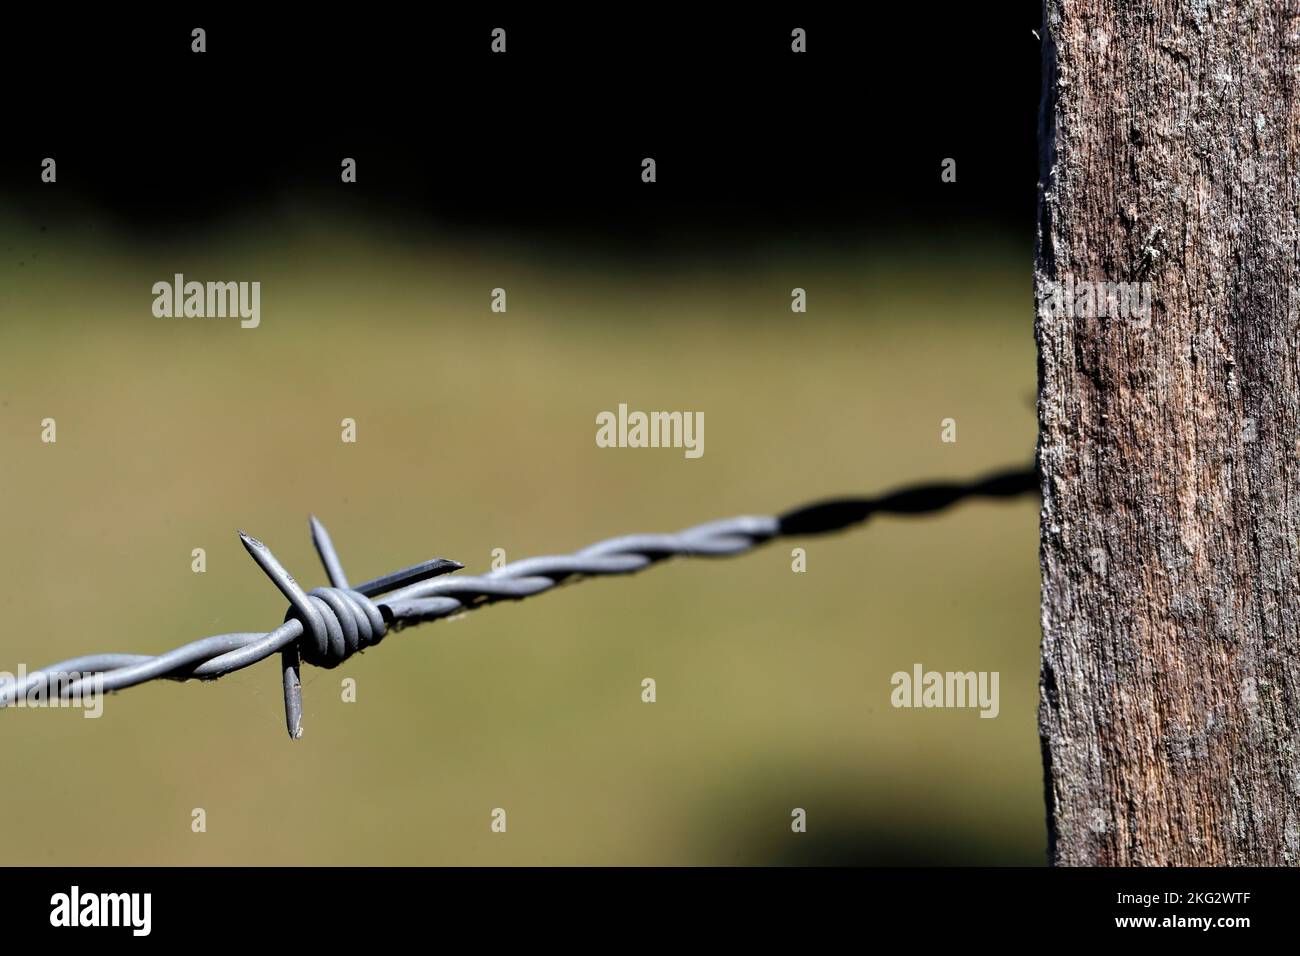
x: 327, y: 625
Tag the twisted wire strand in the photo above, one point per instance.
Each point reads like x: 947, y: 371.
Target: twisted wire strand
x: 327, y: 625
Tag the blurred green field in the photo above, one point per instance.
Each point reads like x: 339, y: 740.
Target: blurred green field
x: 476, y: 431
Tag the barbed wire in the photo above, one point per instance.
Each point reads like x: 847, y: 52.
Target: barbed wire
x: 327, y: 625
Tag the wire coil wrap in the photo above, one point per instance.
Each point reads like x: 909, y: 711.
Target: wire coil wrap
x: 347, y: 622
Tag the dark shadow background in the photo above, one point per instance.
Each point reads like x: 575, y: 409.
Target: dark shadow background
x: 750, y: 140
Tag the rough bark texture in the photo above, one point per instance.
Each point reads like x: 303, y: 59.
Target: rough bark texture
x: 1171, y: 623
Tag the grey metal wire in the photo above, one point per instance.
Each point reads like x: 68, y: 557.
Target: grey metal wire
x: 327, y: 625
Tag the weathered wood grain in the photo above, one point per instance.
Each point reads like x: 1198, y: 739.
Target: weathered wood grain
x: 1169, y: 452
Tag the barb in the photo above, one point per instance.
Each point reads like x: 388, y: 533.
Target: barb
x: 327, y: 625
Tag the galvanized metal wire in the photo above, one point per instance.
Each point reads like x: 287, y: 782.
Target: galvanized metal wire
x: 327, y: 625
